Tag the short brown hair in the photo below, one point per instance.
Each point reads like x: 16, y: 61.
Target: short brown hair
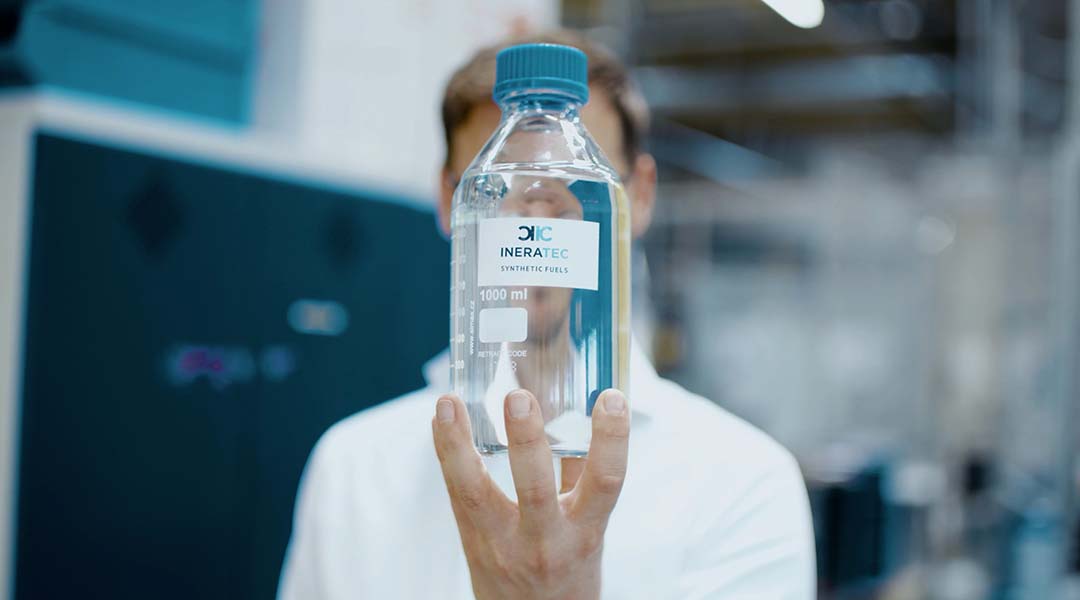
x: 471, y: 86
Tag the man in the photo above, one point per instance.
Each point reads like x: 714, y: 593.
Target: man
x: 687, y: 502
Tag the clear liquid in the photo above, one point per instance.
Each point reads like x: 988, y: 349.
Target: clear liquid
x: 577, y: 340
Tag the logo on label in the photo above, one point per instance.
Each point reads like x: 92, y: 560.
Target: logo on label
x: 535, y: 233
x: 523, y: 251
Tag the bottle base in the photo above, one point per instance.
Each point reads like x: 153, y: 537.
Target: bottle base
x: 560, y: 452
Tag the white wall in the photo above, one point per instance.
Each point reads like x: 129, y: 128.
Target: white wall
x: 358, y: 84
x: 15, y: 119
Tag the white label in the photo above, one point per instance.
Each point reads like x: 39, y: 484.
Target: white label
x: 540, y: 252
x: 503, y: 325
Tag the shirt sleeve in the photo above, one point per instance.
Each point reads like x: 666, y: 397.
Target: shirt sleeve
x: 301, y: 573
x: 759, y: 546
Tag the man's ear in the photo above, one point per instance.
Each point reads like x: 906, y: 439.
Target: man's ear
x: 642, y: 191
x: 446, y: 200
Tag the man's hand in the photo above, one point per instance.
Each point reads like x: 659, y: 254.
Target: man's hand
x: 548, y: 545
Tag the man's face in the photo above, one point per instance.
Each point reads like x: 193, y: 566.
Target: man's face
x: 602, y: 121
x: 538, y: 197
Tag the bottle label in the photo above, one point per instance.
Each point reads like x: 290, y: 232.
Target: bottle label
x: 538, y: 252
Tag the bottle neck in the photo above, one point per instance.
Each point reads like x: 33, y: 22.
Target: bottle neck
x: 561, y: 105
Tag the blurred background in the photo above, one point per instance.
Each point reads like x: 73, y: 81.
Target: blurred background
x: 217, y: 239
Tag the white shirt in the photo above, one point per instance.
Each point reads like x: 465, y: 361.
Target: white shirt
x: 711, y: 506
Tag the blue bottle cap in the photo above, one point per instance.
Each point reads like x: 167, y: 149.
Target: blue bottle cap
x: 541, y: 66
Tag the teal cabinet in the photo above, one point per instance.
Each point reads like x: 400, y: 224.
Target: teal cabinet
x: 191, y: 56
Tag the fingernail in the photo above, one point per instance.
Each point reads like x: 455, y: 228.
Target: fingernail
x: 614, y: 403
x: 444, y: 411
x: 520, y: 404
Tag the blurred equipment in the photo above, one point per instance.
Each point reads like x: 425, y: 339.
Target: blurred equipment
x: 850, y: 531
x: 868, y: 232
x: 193, y: 323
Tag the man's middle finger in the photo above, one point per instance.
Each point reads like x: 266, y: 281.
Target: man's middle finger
x: 530, y: 461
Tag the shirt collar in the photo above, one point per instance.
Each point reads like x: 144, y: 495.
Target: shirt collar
x: 643, y: 378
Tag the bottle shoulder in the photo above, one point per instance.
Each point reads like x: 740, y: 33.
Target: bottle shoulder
x: 543, y: 142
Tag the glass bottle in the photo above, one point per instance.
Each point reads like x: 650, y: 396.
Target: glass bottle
x: 540, y: 257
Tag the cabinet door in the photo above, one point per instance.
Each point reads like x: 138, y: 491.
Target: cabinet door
x: 169, y: 402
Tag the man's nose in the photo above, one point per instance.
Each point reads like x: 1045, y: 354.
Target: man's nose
x: 544, y: 199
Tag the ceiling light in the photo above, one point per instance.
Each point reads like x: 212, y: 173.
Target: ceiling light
x: 800, y: 13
